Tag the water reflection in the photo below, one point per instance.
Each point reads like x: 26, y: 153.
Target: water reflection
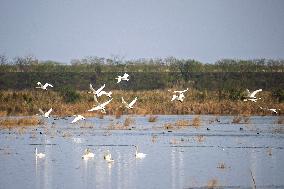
x: 188, y: 164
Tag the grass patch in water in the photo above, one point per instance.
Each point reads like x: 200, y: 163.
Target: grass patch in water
x: 26, y: 121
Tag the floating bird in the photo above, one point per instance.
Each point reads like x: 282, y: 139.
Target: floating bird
x: 139, y: 155
x: 39, y: 155
x: 100, y: 107
x: 77, y: 118
x: 46, y: 114
x: 44, y: 87
x: 124, y: 77
x: 107, y: 157
x: 130, y: 105
x: 251, y: 95
x: 88, y: 154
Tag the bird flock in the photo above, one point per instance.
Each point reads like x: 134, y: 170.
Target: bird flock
x: 176, y: 96
x: 99, y: 107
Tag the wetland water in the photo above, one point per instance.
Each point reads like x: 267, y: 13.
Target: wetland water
x: 226, y: 155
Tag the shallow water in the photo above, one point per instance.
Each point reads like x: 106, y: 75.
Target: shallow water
x: 187, y: 157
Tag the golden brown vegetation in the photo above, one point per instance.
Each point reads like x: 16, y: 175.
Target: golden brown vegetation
x: 26, y: 121
x: 241, y: 119
x: 27, y: 102
x: 213, y: 183
x: 153, y: 118
x: 196, y: 122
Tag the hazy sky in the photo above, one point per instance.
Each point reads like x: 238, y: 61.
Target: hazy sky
x: 206, y: 30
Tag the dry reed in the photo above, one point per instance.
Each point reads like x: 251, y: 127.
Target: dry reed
x: 26, y: 121
x: 27, y: 102
x: 153, y: 118
x: 196, y: 122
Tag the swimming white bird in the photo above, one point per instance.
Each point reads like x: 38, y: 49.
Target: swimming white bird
x: 46, y: 114
x: 130, y: 105
x: 251, y: 95
x: 88, y: 154
x: 139, y: 155
x: 100, y: 107
x: 39, y: 155
x: 77, y: 118
x: 124, y: 77
x: 44, y: 87
x: 107, y: 157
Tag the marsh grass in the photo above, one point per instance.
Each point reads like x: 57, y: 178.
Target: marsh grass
x: 26, y: 121
x: 241, y: 119
x: 153, y: 102
x: 169, y: 126
x: 196, y: 122
x: 213, y: 183
x: 128, y: 121
x: 200, y: 138
x: 182, y: 123
x: 152, y: 118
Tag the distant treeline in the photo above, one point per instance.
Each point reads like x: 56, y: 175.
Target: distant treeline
x: 116, y: 64
x: 145, y: 74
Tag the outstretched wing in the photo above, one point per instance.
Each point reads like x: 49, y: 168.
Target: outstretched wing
x: 118, y: 79
x: 47, y: 84
x: 125, y: 75
x: 91, y: 88
x: 181, y: 91
x: 105, y: 103
x: 75, y: 119
x: 133, y: 102
x: 47, y: 113
x: 100, y: 89
x: 95, y: 99
x: 40, y: 110
x: 123, y: 101
x: 254, y: 93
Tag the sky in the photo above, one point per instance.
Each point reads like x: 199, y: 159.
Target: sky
x: 205, y: 30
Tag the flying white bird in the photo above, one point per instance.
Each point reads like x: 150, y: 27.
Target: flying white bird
x: 44, y: 87
x: 107, y: 157
x: 88, y: 154
x: 39, y: 155
x: 77, y: 118
x: 180, y: 96
x: 124, y: 77
x: 46, y: 114
x: 130, y: 105
x: 251, y: 95
x: 100, y: 107
x: 273, y: 110
x: 139, y: 155
x: 99, y: 92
